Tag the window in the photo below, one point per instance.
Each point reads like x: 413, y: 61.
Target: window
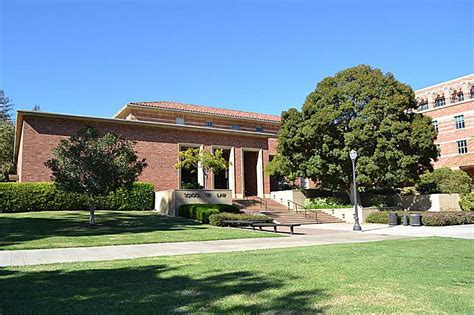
x: 462, y: 146
x: 435, y: 124
x: 209, y: 124
x: 459, y: 121
x: 440, y: 101
x: 460, y: 96
x: 235, y: 127
x: 423, y: 105
x: 180, y: 120
x: 472, y: 92
x: 438, y: 147
x: 259, y: 129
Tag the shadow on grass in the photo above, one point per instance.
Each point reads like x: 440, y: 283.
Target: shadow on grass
x: 152, y: 289
x: 20, y: 228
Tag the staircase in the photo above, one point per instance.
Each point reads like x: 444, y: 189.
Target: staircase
x: 280, y: 213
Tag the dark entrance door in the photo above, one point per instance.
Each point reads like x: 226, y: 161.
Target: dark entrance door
x: 250, y: 173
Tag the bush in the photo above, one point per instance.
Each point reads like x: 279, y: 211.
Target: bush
x: 21, y: 197
x: 447, y: 218
x: 467, y: 202
x: 444, y: 181
x: 217, y: 219
x: 427, y: 218
x: 202, y: 212
x: 327, y: 203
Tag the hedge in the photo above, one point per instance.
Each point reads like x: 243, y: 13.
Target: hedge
x: 217, y: 219
x: 445, y: 181
x: 201, y: 212
x: 23, y: 197
x: 466, y: 202
x: 427, y: 218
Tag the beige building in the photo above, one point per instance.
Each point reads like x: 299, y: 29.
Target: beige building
x: 451, y: 106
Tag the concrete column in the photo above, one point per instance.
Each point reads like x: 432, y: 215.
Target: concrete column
x: 200, y: 171
x: 431, y: 99
x: 232, y: 172
x: 260, y: 174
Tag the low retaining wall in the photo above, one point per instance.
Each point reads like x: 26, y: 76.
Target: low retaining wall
x: 283, y: 196
x: 347, y: 214
x: 431, y: 202
x: 168, y: 201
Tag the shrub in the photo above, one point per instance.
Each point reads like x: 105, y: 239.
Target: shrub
x: 201, y: 212
x: 327, y: 203
x: 447, y: 218
x: 467, y: 202
x: 427, y: 218
x: 21, y: 197
x: 444, y: 181
x: 217, y: 219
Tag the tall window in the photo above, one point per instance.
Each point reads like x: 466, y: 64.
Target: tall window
x: 440, y: 101
x: 259, y: 129
x: 472, y: 92
x: 459, y: 121
x: 209, y: 124
x: 423, y: 105
x: 462, y: 146
x: 180, y: 120
x: 438, y: 147
x: 435, y: 124
x: 460, y: 96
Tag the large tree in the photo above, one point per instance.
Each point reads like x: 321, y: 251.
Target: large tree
x: 366, y: 110
x: 94, y: 165
x: 7, y: 137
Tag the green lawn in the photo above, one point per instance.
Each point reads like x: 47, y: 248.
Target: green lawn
x: 433, y: 275
x: 52, y: 229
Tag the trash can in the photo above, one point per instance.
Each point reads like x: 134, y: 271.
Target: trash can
x: 405, y: 220
x: 392, y: 219
x: 415, y: 219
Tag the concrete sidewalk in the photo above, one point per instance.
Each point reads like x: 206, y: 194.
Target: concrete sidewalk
x: 65, y: 255
x: 457, y: 231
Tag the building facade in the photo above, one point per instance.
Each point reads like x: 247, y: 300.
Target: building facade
x: 451, y: 106
x: 161, y: 130
x: 248, y: 140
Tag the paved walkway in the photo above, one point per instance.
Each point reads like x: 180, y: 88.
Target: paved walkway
x: 457, y: 231
x: 64, y: 255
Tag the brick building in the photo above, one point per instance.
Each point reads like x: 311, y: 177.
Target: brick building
x: 161, y: 130
x: 451, y: 106
x: 248, y: 140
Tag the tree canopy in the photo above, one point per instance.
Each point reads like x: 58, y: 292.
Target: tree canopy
x: 363, y: 109
x: 94, y: 165
x: 7, y: 137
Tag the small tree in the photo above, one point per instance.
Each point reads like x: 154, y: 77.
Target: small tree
x: 94, y: 165
x: 193, y: 158
x: 6, y: 107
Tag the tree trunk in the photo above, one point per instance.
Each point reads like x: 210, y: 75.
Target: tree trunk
x: 92, y: 213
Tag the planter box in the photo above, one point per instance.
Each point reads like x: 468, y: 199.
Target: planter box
x: 347, y: 214
x: 168, y: 201
x: 431, y: 202
x: 284, y: 196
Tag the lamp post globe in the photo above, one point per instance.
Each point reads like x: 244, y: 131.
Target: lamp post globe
x: 357, y: 227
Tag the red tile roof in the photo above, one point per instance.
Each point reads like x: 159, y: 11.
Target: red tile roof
x: 208, y: 110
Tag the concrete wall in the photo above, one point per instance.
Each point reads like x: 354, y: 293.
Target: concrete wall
x: 347, y: 214
x: 285, y: 195
x: 431, y: 202
x: 168, y: 201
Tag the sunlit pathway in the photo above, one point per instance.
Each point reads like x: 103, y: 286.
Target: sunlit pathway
x: 62, y: 255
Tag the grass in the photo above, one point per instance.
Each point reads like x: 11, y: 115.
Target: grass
x: 433, y: 275
x: 54, y: 229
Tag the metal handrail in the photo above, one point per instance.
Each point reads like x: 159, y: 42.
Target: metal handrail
x: 306, y: 210
x: 261, y: 200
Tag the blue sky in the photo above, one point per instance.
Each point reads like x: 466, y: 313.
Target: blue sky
x: 92, y: 57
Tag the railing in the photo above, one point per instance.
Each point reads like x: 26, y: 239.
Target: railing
x: 262, y: 201
x: 305, y: 210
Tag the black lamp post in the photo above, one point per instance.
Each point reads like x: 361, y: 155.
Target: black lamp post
x: 353, y: 156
